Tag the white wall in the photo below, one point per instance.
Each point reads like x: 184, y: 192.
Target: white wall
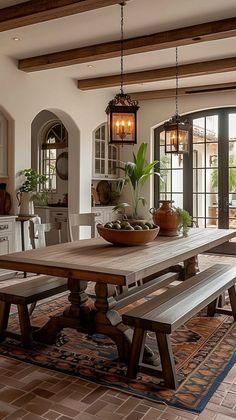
x: 24, y: 95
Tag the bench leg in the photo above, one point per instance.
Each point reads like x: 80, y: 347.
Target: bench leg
x: 232, y: 298
x: 25, y: 327
x: 4, y: 316
x: 136, y: 353
x: 211, y: 308
x: 167, y: 360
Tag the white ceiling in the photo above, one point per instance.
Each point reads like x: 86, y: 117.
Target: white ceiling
x: 141, y: 17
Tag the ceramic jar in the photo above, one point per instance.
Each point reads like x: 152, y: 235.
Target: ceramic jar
x: 167, y: 218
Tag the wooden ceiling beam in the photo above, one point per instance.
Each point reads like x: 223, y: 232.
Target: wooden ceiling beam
x: 35, y: 11
x: 167, y: 73
x: 176, y: 37
x: 186, y: 91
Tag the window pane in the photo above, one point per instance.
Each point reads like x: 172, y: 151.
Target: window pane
x: 177, y: 180
x: 178, y: 200
x: 212, y: 154
x: 198, y: 180
x: 199, y: 155
x: 198, y: 205
x: 212, y: 180
x: 199, y: 130
x: 212, y: 128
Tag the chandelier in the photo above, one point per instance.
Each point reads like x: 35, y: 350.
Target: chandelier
x: 177, y: 129
x: 122, y: 110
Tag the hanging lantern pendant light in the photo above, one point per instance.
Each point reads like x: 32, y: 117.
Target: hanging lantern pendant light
x: 177, y: 129
x: 122, y: 110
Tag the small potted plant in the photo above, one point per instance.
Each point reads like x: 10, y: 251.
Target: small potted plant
x: 25, y: 193
x: 137, y: 174
x: 185, y: 221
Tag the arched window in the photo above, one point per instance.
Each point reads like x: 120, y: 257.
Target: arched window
x: 56, y: 138
x: 203, y: 181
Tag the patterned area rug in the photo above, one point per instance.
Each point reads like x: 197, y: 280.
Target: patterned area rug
x: 204, y: 351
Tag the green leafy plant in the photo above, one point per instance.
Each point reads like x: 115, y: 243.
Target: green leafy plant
x: 232, y: 175
x: 32, y: 179
x: 185, y: 221
x: 137, y: 174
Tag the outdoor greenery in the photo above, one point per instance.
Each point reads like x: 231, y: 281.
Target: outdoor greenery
x: 185, y: 221
x: 137, y: 174
x: 32, y: 179
x: 232, y: 175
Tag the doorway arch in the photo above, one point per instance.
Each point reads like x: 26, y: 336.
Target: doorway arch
x: 45, y: 117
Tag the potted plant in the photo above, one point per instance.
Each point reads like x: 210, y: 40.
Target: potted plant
x: 24, y: 195
x: 185, y: 221
x: 137, y: 174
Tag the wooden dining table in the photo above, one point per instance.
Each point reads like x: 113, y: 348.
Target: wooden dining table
x: 108, y: 266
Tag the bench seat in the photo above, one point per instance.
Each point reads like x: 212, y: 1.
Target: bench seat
x: 166, y: 312
x: 22, y: 294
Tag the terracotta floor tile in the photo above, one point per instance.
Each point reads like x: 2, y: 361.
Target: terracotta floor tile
x: 16, y: 414
x: 134, y: 415
x: 5, y: 410
x: 43, y: 393
x: 128, y: 406
x: 51, y: 415
x: 22, y: 401
x: 221, y: 410
x: 66, y: 411
x: 31, y: 416
x: 207, y: 415
x: 152, y: 414
x: 8, y: 394
x: 95, y: 407
x: 96, y: 393
x: 38, y: 406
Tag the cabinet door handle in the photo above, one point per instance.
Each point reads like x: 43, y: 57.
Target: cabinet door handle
x: 5, y: 238
x: 3, y: 227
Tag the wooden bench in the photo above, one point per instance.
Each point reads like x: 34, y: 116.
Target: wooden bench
x: 166, y: 312
x: 22, y: 294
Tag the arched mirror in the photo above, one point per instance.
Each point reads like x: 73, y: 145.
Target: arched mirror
x: 62, y: 166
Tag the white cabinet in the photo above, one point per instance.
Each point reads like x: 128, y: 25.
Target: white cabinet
x: 7, y: 240
x: 105, y: 156
x: 3, y: 147
x: 49, y: 214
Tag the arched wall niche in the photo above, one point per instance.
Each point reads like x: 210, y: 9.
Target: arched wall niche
x: 39, y: 124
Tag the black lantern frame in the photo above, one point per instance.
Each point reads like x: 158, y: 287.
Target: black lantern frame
x: 177, y: 129
x: 177, y: 132
x: 122, y: 110
x: 122, y: 123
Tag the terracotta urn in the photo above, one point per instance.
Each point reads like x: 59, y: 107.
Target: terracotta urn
x: 167, y: 218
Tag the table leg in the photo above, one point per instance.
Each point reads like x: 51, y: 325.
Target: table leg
x: 191, y: 267
x: 109, y: 322
x: 79, y: 315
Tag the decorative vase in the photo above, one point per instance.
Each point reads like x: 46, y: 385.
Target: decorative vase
x: 25, y: 203
x: 167, y: 218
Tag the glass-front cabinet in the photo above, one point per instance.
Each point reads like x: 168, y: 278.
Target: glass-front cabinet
x: 105, y: 156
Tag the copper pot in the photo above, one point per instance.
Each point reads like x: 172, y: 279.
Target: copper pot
x: 167, y: 218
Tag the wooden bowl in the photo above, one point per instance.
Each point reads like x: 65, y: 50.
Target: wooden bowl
x: 123, y: 237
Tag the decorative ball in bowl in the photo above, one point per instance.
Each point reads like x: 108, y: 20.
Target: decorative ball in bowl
x: 126, y: 234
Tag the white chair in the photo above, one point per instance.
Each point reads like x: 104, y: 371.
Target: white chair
x: 76, y: 220
x: 37, y: 233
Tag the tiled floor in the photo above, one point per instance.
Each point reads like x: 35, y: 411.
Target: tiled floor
x: 33, y: 393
